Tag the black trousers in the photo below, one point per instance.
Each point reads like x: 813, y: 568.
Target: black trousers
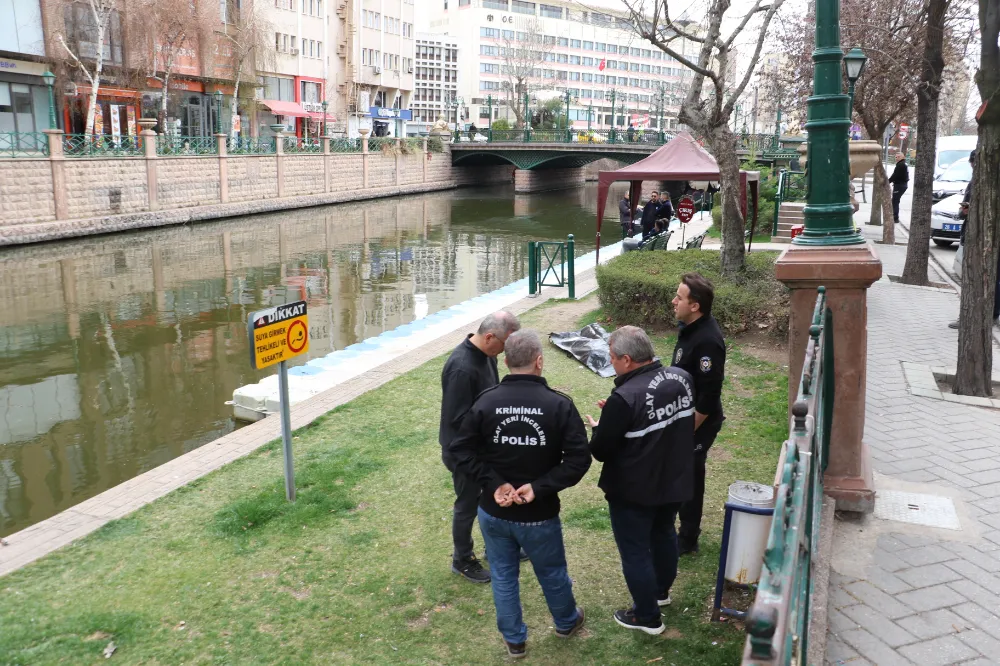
x: 896, y: 196
x: 647, y: 545
x: 690, y: 513
x: 467, y: 491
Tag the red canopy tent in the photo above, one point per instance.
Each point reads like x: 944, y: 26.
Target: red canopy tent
x: 682, y: 158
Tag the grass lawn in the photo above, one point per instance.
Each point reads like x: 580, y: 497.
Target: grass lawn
x: 358, y: 570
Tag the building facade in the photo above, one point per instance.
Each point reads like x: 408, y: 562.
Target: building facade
x: 24, y: 98
x: 436, y: 84
x: 588, y: 53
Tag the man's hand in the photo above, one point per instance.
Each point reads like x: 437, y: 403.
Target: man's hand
x: 505, y: 495
x: 525, y: 494
x: 601, y: 403
x: 591, y: 422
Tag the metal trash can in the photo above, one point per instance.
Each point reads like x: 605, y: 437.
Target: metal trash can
x: 748, y: 532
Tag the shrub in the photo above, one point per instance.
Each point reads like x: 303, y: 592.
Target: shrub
x: 638, y: 287
x: 501, y: 124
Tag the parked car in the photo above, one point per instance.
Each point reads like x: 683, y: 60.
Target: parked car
x: 949, y: 149
x: 954, y: 180
x: 946, y: 223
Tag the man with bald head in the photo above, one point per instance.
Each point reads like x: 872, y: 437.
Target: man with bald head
x: 470, y: 370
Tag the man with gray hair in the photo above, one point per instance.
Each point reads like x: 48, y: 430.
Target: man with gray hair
x: 522, y: 443
x: 470, y: 370
x: 645, y: 439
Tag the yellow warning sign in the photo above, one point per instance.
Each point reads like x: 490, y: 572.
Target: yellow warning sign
x: 278, y: 334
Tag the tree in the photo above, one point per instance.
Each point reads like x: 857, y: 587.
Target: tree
x: 166, y: 31
x: 521, y: 57
x: 708, y: 112
x: 250, y: 40
x: 929, y: 91
x: 87, y: 26
x: 982, y: 233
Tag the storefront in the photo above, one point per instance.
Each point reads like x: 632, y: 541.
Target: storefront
x: 24, y: 97
x: 192, y: 109
x: 389, y: 122
x: 116, y: 113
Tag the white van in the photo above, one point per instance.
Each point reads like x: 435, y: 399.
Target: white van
x: 951, y: 148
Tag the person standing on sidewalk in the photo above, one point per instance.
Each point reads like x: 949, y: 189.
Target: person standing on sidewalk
x: 701, y: 351
x: 625, y: 215
x: 470, y: 370
x: 523, y: 442
x: 900, y: 180
x: 645, y: 438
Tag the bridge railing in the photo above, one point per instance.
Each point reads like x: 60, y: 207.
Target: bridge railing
x: 778, y: 623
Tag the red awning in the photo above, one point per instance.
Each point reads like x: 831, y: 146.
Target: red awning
x: 292, y: 109
x: 319, y: 117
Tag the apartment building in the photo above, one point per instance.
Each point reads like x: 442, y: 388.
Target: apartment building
x: 374, y: 75
x: 436, y: 84
x: 24, y: 101
x: 293, y: 94
x: 586, y: 52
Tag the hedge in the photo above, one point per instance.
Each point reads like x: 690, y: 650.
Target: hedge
x: 638, y: 288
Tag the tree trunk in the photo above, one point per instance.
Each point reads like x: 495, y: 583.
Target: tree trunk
x: 723, y: 143
x: 95, y: 82
x: 982, y: 233
x: 233, y: 107
x: 876, y: 217
x: 928, y: 95
x: 883, y: 195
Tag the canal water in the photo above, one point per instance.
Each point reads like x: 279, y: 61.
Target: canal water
x: 118, y: 353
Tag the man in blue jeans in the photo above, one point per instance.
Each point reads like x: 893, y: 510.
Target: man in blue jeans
x: 524, y: 442
x: 646, y: 440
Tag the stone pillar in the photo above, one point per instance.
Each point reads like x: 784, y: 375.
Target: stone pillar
x: 847, y: 271
x: 279, y: 157
x: 547, y: 179
x: 149, y: 154
x: 364, y: 156
x: 223, y: 150
x: 423, y: 161
x: 326, y: 164
x: 398, y: 153
x: 57, y: 163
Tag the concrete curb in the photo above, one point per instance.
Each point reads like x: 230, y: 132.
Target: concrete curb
x: 820, y: 594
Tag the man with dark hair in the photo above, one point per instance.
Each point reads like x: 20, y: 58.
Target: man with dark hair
x: 701, y: 351
x: 650, y: 212
x: 470, y: 370
x: 646, y: 440
x: 523, y: 442
x: 900, y: 180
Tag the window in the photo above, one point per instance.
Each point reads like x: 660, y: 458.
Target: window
x: 601, y: 47
x: 292, y: 42
x: 563, y: 42
x: 507, y: 34
x: 492, y: 33
x: 488, y: 50
x: 599, y: 78
x: 574, y: 43
x: 646, y: 53
x: 588, y: 77
x: 574, y: 60
x: 521, y: 7
x: 278, y: 89
x: 464, y: 3
x: 408, y: 30
x: 488, y: 85
x: 496, y: 4
x: 611, y: 64
x: 489, y: 68
x: 635, y: 52
x: 319, y: 50
x: 622, y: 81
x: 588, y: 46
x: 550, y: 11
x: 81, y: 32
x: 563, y: 58
x: 574, y: 76
x: 646, y: 69
x: 623, y: 50
x: 634, y: 67
x: 634, y: 83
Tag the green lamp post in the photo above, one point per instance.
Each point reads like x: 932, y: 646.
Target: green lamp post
x: 854, y: 63
x: 659, y: 111
x: 829, y: 215
x: 325, y: 105
x: 489, y: 126
x: 569, y: 131
x: 611, y: 134
x: 590, y: 112
x: 50, y: 80
x: 218, y: 112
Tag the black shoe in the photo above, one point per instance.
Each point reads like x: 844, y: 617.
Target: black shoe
x: 524, y: 556
x: 576, y: 625
x: 664, y: 600
x: 685, y: 547
x: 953, y: 324
x: 471, y: 570
x: 516, y: 650
x: 626, y: 618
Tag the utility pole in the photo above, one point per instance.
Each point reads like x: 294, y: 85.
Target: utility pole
x: 611, y: 134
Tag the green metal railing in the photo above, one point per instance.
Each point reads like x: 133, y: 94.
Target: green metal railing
x: 24, y: 144
x: 101, y: 145
x: 250, y: 146
x: 380, y: 142
x: 791, y: 187
x: 294, y: 144
x: 778, y: 623
x: 551, y: 264
x: 618, y: 136
x: 345, y: 145
x: 186, y: 145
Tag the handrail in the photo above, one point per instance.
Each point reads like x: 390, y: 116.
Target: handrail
x: 783, y: 179
x: 778, y: 622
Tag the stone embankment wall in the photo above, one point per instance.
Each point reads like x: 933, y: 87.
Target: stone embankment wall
x: 56, y: 197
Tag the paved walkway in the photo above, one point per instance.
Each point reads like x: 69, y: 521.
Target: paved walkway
x: 902, y: 593
x: 40, y: 539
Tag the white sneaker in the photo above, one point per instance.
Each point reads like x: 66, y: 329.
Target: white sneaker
x: 664, y: 602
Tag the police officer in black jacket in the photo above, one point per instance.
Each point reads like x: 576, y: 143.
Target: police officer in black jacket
x: 701, y: 351
x: 646, y: 440
x: 900, y: 180
x: 522, y: 443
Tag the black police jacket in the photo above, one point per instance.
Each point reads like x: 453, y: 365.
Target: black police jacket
x: 522, y: 432
x: 701, y: 351
x: 467, y: 373
x: 646, y: 437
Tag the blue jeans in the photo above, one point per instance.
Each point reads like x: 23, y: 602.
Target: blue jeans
x: 647, y: 543
x: 543, y: 543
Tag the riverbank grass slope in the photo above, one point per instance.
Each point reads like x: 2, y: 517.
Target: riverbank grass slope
x: 357, y: 571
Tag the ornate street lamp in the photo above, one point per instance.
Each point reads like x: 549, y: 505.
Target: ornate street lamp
x: 829, y: 214
x: 489, y: 126
x: 324, y: 105
x: 50, y: 80
x: 569, y: 131
x: 854, y: 63
x: 218, y: 113
x: 611, y: 134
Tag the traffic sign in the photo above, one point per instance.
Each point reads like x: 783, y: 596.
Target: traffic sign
x: 278, y: 334
x: 685, y: 209
x: 904, y: 131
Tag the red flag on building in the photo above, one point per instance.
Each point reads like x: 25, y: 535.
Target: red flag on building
x: 602, y: 65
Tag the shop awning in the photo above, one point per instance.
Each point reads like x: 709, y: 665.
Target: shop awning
x: 292, y: 109
x: 319, y: 117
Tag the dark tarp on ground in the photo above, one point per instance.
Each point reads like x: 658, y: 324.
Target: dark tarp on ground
x: 589, y: 345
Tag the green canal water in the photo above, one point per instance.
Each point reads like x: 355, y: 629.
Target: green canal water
x: 118, y: 353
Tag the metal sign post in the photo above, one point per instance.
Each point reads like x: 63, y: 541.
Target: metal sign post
x: 276, y: 335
